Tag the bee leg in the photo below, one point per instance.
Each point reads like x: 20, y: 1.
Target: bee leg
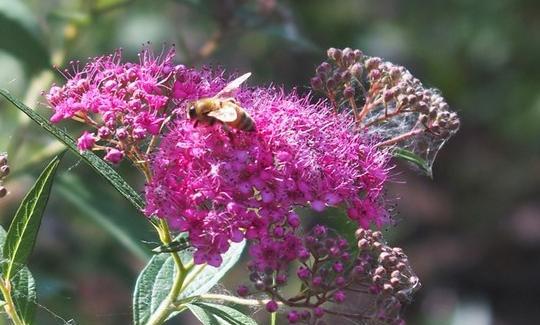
x: 196, y: 123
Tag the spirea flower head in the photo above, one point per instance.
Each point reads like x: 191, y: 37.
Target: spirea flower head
x: 224, y: 185
x: 123, y: 102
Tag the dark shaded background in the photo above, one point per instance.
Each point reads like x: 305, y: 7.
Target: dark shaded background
x: 472, y: 233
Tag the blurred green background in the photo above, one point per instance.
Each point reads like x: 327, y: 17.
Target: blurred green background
x: 472, y: 233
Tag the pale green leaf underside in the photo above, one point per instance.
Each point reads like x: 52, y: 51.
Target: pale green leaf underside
x: 155, y: 281
x: 211, y: 314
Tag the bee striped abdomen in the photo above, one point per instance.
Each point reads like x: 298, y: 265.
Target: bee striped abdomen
x: 244, y: 122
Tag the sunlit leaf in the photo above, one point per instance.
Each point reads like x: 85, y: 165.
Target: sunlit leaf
x: 22, y: 233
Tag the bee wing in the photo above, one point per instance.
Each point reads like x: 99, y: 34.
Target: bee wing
x: 224, y: 114
x: 233, y: 85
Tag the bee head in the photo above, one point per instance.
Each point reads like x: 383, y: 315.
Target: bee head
x: 191, y: 112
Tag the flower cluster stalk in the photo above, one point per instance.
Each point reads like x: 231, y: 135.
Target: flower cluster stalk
x: 9, y: 305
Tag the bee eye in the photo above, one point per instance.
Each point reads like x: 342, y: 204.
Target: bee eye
x: 191, y: 112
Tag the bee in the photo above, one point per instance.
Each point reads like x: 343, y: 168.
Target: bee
x: 223, y: 108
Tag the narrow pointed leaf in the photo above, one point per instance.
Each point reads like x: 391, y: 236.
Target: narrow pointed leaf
x: 22, y: 233
x: 100, y: 166
x: 223, y: 314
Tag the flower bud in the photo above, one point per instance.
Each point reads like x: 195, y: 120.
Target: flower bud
x: 373, y: 63
x: 334, y: 54
x: 374, y: 74
x: 339, y: 296
x: 323, y: 68
x: 346, y: 75
x: 271, y: 306
x: 316, y: 83
x: 114, y: 155
x: 331, y: 83
x: 4, y: 171
x: 104, y: 132
x: 454, y: 125
x: 293, y: 317
x: 3, y: 159
x: 121, y: 134
x: 356, y: 70
x: 242, y: 291
x: 363, y: 243
x: 388, y: 95
x: 281, y: 278
x: 387, y: 288
x: 348, y: 92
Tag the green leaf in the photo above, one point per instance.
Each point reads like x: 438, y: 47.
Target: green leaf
x: 155, y: 281
x: 24, y: 295
x: 210, y: 314
x: 202, y: 278
x: 22, y: 36
x: 100, y: 166
x: 204, y: 316
x: 2, y: 241
x: 413, y: 158
x: 22, y: 233
x: 152, y: 287
x: 24, y: 288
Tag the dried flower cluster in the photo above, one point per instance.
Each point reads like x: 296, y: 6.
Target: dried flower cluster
x: 4, y: 171
x: 387, y: 101
x: 334, y: 278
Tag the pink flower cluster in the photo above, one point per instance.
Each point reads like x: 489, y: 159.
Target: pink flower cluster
x: 226, y: 185
x: 124, y: 103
